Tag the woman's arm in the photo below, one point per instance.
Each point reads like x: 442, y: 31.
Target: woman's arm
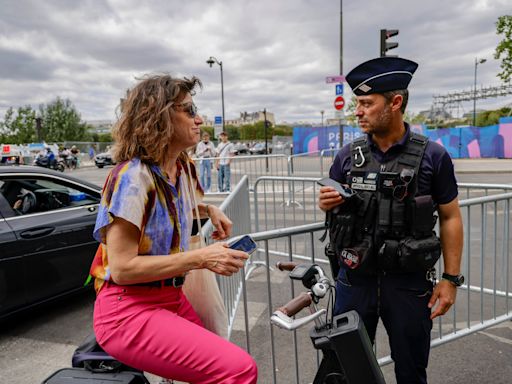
x: 128, y: 267
x: 223, y: 226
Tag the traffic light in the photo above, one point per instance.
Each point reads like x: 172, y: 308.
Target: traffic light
x: 384, y: 45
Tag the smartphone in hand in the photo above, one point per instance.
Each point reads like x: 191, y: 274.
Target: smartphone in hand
x: 345, y: 192
x: 245, y: 244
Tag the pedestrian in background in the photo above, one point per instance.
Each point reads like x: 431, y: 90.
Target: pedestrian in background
x: 205, y: 150
x: 383, y: 236
x: 225, y: 152
x: 141, y: 315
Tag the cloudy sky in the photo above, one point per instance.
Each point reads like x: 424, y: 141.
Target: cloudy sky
x: 275, y: 53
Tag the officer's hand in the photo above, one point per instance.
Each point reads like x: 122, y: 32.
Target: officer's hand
x: 444, y: 294
x: 329, y: 198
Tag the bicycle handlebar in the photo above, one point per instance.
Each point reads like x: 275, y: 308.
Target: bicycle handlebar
x: 282, y: 317
x: 286, y: 265
x: 296, y: 304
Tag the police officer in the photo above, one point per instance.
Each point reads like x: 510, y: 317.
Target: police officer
x: 384, y: 240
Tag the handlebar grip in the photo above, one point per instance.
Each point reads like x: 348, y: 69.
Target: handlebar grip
x: 286, y: 265
x: 296, y: 304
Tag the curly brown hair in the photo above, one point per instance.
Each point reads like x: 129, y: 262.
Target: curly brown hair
x: 145, y: 127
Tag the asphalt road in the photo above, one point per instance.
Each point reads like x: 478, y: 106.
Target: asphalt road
x: 39, y: 342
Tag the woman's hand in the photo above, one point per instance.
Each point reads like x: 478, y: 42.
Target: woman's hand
x: 221, y: 223
x: 221, y: 259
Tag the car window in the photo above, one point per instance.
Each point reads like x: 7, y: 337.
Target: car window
x: 33, y: 195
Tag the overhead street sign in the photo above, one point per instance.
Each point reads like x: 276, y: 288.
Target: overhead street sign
x: 339, y: 89
x: 335, y: 79
x: 339, y: 103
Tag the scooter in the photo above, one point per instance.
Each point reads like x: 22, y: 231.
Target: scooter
x: 43, y: 161
x: 92, y: 365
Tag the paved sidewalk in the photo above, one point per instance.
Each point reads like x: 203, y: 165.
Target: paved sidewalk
x: 483, y: 166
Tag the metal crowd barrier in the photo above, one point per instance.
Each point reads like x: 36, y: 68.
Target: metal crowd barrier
x: 482, y: 302
x: 237, y: 207
x: 252, y: 166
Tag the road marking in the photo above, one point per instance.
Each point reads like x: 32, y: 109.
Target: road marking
x: 497, y: 338
x: 255, y: 310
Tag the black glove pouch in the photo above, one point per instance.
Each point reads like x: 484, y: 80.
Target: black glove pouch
x: 388, y: 256
x: 418, y: 254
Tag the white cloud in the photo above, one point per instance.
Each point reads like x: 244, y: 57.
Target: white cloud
x: 274, y: 54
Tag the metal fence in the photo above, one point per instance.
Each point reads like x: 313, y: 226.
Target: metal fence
x: 252, y: 166
x: 237, y: 208
x: 289, y: 357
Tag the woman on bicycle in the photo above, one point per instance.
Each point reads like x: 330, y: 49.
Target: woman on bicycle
x: 141, y: 316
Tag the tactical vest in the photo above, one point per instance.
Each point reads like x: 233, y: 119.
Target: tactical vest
x: 385, y: 226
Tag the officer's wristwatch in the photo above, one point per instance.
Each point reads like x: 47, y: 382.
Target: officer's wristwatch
x: 456, y: 280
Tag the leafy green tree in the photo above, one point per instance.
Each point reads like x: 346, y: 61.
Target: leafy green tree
x: 105, y: 138
x: 486, y: 118
x: 504, y: 48
x: 19, y: 126
x: 62, y: 122
x: 350, y: 115
x: 233, y: 132
x: 282, y: 130
x: 208, y: 130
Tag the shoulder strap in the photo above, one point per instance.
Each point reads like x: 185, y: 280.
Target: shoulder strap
x: 360, y: 152
x: 414, y: 151
x: 223, y: 148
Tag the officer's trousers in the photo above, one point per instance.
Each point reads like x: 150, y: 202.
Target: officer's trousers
x: 400, y: 300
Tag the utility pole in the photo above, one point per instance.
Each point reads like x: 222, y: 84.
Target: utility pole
x: 265, y: 125
x: 38, y: 129
x: 342, y: 113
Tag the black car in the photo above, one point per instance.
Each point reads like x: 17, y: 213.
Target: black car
x: 46, y: 244
x: 102, y: 159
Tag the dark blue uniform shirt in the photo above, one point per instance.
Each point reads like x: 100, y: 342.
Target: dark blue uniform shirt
x: 436, y: 174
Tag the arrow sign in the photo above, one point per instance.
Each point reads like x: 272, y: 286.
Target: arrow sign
x: 339, y: 103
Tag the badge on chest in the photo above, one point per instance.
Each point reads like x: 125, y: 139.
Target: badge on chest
x: 364, y: 181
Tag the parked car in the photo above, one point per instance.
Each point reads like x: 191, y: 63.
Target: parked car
x: 46, y: 242
x: 11, y: 155
x: 281, y: 147
x: 102, y: 159
x: 241, y: 149
x: 259, y: 149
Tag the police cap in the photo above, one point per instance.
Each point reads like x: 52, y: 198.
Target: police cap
x: 381, y: 75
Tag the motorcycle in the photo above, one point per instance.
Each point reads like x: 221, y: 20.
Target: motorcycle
x: 56, y: 164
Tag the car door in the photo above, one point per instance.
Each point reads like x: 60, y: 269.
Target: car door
x: 54, y: 238
x: 12, y: 288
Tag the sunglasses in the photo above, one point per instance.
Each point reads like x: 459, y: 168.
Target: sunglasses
x: 400, y: 192
x: 189, y: 108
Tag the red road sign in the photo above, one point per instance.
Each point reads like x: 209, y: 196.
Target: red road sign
x: 339, y: 103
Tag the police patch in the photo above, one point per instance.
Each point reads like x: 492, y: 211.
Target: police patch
x: 350, y: 258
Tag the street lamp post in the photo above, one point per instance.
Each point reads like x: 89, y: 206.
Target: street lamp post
x: 477, y: 61
x: 212, y: 60
x: 322, y: 113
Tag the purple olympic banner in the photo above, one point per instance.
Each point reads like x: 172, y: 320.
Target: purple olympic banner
x: 461, y: 142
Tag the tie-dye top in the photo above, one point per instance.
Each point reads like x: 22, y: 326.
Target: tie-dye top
x: 142, y: 194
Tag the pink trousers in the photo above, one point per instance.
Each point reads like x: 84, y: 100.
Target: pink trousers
x: 156, y: 330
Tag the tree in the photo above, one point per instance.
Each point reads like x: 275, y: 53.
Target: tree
x: 20, y: 126
x: 504, y: 48
x: 350, y: 116
x: 62, y: 122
